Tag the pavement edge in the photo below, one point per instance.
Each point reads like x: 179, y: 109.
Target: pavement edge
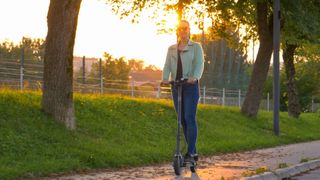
x: 286, y: 172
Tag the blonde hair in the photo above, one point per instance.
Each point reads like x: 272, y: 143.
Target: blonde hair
x: 185, y: 21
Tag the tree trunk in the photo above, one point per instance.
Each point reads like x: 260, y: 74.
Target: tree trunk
x: 251, y: 103
x: 57, y: 98
x: 293, y: 100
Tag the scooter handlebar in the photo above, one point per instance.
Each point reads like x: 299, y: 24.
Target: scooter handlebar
x: 178, y: 82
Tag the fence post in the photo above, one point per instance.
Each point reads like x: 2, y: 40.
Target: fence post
x: 268, y: 102
x: 22, y: 69
x: 132, y: 87
x: 83, y: 69
x: 312, y: 104
x: 158, y: 92
x: 239, y: 98
x: 204, y: 95
x: 223, y: 96
x: 101, y: 76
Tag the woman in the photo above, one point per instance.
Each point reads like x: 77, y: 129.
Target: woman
x: 185, y: 61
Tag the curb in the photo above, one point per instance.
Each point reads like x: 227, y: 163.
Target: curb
x: 286, y: 172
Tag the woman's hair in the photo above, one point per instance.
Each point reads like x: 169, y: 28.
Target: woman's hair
x: 185, y: 21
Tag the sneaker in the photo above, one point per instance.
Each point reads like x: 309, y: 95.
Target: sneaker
x: 196, y: 157
x: 189, y: 158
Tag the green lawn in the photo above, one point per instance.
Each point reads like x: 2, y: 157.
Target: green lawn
x: 115, y: 131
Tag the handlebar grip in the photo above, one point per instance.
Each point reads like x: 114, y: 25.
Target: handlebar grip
x: 178, y: 82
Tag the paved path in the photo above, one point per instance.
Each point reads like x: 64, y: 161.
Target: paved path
x: 311, y: 175
x: 228, y: 166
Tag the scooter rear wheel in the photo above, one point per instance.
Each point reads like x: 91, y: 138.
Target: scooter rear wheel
x: 193, y: 168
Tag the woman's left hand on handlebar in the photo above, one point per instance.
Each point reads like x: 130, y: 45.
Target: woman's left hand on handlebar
x: 192, y: 80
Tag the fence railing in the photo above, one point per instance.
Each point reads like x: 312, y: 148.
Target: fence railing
x: 28, y: 75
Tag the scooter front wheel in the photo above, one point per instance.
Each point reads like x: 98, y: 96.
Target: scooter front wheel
x: 177, y: 162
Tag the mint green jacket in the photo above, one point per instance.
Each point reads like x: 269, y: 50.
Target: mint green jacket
x: 191, y: 58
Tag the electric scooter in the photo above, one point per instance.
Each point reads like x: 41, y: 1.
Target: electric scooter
x: 178, y: 162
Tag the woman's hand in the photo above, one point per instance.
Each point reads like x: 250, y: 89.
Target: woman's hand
x: 192, y: 80
x: 165, y: 82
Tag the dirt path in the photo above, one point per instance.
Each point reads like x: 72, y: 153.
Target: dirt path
x: 228, y: 166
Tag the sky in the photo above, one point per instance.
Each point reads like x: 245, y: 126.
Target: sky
x: 98, y: 31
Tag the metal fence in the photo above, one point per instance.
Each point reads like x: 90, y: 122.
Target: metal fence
x: 17, y: 74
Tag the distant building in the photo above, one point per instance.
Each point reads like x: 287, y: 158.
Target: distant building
x: 78, y: 63
x: 146, y: 78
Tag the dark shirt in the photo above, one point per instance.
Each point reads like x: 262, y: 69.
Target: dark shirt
x: 179, y: 67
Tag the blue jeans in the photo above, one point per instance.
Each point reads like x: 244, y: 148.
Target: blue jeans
x: 190, y: 98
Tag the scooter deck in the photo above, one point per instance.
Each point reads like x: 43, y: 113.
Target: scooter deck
x: 190, y: 165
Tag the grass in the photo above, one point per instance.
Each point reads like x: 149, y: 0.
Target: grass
x: 257, y: 171
x: 116, y: 132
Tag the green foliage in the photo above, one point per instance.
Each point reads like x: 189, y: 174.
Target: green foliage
x: 300, y: 24
x: 115, y: 69
x: 32, y: 52
x: 136, y: 65
x: 112, y: 69
x: 282, y: 165
x: 309, y: 51
x: 33, y: 49
x: 304, y: 160
x: 225, y: 67
x: 115, y: 131
x: 307, y: 78
x: 158, y: 11
x: 9, y: 51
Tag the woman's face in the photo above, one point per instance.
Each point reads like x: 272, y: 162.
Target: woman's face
x: 183, y: 31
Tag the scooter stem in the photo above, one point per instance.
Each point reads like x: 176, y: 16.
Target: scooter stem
x: 178, y: 152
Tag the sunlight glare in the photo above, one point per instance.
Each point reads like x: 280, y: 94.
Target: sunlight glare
x: 23, y: 18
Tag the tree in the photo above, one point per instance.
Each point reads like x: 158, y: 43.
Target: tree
x: 115, y: 71
x: 33, y: 49
x: 151, y: 68
x: 122, y: 68
x: 308, y: 74
x: 307, y: 65
x: 136, y: 65
x: 57, y: 99
x: 264, y: 24
x: 297, y: 24
x: 293, y: 101
x: 32, y: 52
x: 299, y: 29
x: 225, y: 67
x: 160, y: 9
